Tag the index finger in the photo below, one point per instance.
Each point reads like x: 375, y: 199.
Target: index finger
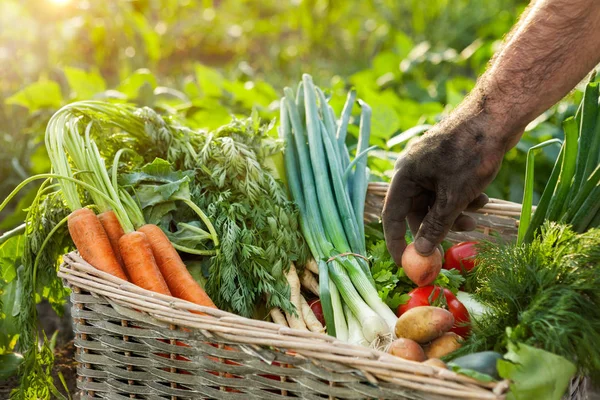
x: 396, y: 207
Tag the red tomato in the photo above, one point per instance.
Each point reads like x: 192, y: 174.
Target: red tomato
x: 461, y: 256
x: 315, y: 305
x: 422, y: 296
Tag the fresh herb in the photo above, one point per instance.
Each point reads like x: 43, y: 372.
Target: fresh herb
x: 547, y: 291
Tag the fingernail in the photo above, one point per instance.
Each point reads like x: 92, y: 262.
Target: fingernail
x: 424, y: 246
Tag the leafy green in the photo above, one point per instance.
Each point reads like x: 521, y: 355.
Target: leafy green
x: 9, y: 364
x: 547, y: 291
x: 535, y: 373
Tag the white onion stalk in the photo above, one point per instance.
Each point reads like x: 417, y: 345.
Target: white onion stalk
x: 355, y: 335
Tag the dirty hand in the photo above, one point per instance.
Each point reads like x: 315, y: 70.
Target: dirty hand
x: 438, y: 177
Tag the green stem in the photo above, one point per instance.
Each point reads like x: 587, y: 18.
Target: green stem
x: 56, y: 176
x: 43, y: 246
x: 567, y: 170
x: 203, y: 217
x: 358, y: 158
x: 19, y: 230
x: 525, y: 218
x: 193, y: 251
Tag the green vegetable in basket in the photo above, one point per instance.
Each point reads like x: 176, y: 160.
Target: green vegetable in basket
x: 572, y: 194
x: 330, y: 193
x: 547, y: 291
x: 535, y: 373
x: 226, y: 174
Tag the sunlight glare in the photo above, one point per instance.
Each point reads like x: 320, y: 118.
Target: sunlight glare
x: 60, y: 2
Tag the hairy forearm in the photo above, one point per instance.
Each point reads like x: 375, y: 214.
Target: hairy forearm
x: 552, y: 48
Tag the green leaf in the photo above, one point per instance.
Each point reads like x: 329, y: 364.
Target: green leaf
x: 131, y: 86
x: 149, y: 35
x: 158, y: 171
x: 38, y: 95
x: 9, y: 364
x: 10, y: 255
x: 84, y: 84
x: 535, y: 373
x: 385, y: 120
x: 209, y: 80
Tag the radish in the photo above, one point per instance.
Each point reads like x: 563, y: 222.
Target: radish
x: 422, y: 270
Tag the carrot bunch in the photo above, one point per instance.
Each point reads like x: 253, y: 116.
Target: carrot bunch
x: 144, y: 257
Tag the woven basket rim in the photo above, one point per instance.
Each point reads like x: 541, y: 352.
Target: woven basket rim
x: 375, y: 365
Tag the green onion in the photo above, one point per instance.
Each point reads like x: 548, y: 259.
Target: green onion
x: 524, y: 222
x: 334, y: 230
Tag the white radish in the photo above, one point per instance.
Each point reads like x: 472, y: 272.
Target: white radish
x: 295, y: 321
x: 309, y: 282
x: 312, y: 266
x: 278, y: 317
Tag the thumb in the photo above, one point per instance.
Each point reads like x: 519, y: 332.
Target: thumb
x: 435, y: 226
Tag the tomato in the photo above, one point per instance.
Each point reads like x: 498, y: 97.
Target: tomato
x: 461, y: 256
x: 316, y: 307
x: 422, y: 296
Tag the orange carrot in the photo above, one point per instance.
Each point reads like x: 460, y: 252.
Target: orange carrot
x: 178, y: 278
x: 114, y: 231
x: 93, y: 243
x: 140, y: 263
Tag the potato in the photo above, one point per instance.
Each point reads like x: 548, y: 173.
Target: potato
x: 424, y: 324
x: 435, y: 362
x: 444, y: 345
x: 407, y: 349
x: 419, y: 269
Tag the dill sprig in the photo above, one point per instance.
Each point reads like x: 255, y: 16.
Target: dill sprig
x: 547, y: 291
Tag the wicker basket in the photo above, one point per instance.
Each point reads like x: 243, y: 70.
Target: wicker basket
x: 133, y: 343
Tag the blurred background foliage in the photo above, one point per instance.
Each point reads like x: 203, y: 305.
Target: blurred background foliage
x: 411, y: 60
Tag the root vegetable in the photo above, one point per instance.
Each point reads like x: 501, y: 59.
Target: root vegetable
x: 407, y: 349
x: 312, y: 322
x: 113, y: 230
x: 92, y: 242
x: 278, y: 317
x: 312, y: 266
x: 179, y: 280
x: 141, y: 264
x: 424, y: 324
x: 435, y: 362
x: 309, y: 282
x: 444, y: 345
x: 422, y: 270
x: 295, y: 321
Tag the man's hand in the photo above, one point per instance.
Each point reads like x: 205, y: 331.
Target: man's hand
x: 547, y: 53
x: 439, y: 177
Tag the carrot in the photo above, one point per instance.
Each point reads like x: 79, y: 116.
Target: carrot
x: 180, y: 281
x: 114, y: 230
x: 140, y: 263
x: 93, y: 243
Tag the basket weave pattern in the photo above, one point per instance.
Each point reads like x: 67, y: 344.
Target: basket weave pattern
x: 132, y: 342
